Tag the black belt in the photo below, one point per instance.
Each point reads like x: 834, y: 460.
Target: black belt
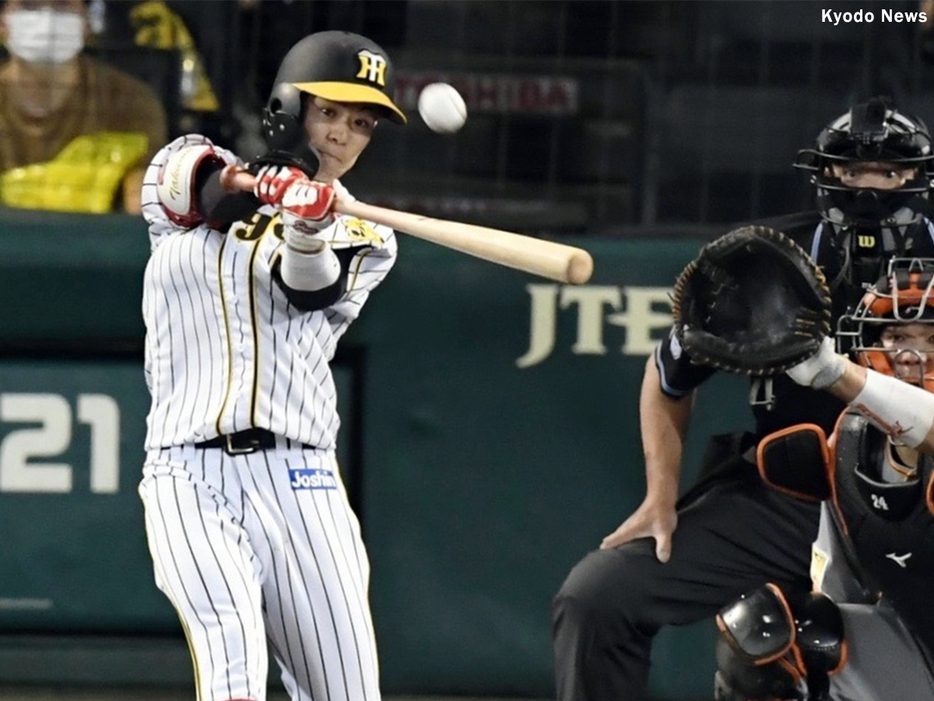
x: 245, y: 442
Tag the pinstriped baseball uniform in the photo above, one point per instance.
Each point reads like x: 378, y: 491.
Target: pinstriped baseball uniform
x: 263, y: 544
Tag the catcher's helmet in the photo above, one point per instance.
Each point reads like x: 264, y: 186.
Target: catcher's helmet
x: 904, y: 296
x: 338, y: 66
x: 871, y: 131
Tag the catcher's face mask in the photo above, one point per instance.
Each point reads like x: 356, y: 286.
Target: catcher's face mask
x: 892, y: 329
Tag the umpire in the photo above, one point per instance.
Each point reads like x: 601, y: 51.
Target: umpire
x: 676, y: 561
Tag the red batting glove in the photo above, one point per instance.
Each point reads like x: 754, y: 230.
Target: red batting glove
x: 295, y: 194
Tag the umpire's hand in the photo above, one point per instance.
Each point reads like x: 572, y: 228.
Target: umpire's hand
x: 653, y: 519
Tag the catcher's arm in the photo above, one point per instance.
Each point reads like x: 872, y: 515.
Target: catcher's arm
x: 850, y: 383
x: 902, y: 410
x: 663, y: 424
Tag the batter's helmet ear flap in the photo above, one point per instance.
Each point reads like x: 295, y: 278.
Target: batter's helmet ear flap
x: 282, y: 119
x: 284, y: 129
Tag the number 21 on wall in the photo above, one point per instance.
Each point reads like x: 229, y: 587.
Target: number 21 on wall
x: 19, y: 448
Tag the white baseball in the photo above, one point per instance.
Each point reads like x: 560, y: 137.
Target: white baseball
x: 442, y: 108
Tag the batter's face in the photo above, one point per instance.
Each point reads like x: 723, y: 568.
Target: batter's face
x: 873, y: 174
x: 337, y: 133
x: 912, y: 350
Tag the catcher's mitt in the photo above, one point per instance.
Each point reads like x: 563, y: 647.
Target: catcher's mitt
x: 752, y: 302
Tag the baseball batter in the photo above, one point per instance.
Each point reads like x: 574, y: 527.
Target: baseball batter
x: 245, y: 299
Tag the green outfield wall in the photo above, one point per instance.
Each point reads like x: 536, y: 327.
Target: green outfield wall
x: 490, y: 440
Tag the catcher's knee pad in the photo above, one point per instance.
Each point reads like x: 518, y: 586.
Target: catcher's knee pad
x: 772, y: 649
x: 739, y: 679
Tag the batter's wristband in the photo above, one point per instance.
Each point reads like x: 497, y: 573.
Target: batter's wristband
x: 310, y: 272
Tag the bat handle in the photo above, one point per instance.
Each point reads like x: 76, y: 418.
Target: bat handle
x: 234, y: 178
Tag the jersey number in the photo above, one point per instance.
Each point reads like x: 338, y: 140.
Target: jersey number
x: 254, y: 228
x: 878, y: 503
x: 51, y: 435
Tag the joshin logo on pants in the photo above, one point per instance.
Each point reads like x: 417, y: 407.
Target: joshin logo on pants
x: 312, y: 479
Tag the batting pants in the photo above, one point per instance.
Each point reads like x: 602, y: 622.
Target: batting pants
x: 262, y: 546
x: 735, y: 537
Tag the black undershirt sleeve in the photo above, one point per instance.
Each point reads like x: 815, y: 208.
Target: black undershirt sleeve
x: 219, y: 207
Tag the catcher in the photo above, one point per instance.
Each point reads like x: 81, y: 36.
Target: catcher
x: 870, y: 567
x: 676, y: 561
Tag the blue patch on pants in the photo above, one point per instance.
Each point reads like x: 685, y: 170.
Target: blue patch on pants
x: 312, y: 479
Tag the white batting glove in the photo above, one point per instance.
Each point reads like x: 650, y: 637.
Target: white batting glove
x: 305, y: 204
x: 820, y: 370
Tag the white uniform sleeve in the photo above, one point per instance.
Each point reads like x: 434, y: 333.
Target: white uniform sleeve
x: 159, y: 224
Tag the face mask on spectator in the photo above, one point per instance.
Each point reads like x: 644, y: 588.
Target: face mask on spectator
x: 44, y: 36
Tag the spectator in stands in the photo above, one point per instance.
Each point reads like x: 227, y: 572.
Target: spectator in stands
x: 157, y: 25
x: 75, y: 133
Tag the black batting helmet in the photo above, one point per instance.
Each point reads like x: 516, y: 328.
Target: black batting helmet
x: 338, y: 66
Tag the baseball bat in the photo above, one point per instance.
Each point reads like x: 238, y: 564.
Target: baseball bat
x: 548, y: 259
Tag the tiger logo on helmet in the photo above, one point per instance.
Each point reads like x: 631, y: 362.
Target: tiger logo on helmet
x: 892, y: 329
